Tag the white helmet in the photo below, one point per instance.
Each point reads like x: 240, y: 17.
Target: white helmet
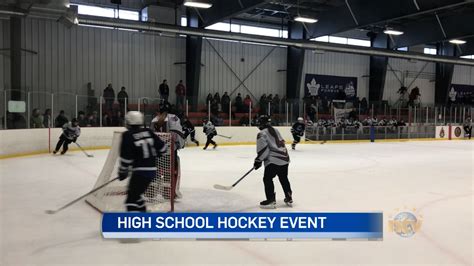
x: 134, y: 118
x: 300, y: 119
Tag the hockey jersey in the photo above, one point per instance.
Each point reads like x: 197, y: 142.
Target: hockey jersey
x: 71, y: 132
x: 188, y: 127
x: 138, y: 151
x: 271, y: 147
x: 209, y: 129
x: 298, y: 129
x: 170, y: 124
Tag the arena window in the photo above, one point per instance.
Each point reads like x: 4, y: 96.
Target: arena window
x: 108, y: 12
x: 428, y: 50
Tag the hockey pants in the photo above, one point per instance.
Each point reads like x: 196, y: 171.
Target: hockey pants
x: 296, y: 138
x: 136, y: 187
x: 468, y: 131
x: 209, y: 140
x: 63, y: 141
x: 271, y: 171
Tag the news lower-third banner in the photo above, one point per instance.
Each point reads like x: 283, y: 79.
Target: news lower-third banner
x: 294, y: 225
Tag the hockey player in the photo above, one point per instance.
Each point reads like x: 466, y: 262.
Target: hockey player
x: 272, y: 152
x: 71, y: 131
x: 298, y: 131
x: 210, y: 131
x: 467, y: 127
x: 138, y: 152
x: 168, y: 122
x: 188, y: 129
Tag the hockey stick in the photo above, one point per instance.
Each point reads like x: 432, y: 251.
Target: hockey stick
x: 221, y: 187
x: 87, y: 154
x: 224, y: 136
x: 81, y: 197
x: 322, y: 142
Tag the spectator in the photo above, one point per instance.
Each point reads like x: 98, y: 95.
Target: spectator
x: 276, y: 104
x: 214, y: 108
x: 35, y: 120
x: 164, y: 90
x: 244, y: 120
x: 117, y: 119
x: 247, y: 103
x: 109, y: 97
x: 93, y: 120
x: 180, y: 95
x: 239, y: 104
x: 61, y: 119
x: 47, y: 118
x: 122, y: 97
x: 263, y: 104
x: 225, y: 102
x: 106, y: 120
x: 209, y: 99
x: 363, y: 105
x: 81, y: 119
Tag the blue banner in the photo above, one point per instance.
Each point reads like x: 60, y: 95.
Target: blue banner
x: 243, y: 225
x: 331, y: 87
x: 461, y: 94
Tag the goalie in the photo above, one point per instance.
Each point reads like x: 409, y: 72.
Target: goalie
x: 138, y: 151
x: 297, y: 130
x: 167, y: 122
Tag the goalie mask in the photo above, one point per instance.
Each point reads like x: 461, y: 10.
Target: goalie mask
x: 264, y: 121
x: 134, y: 118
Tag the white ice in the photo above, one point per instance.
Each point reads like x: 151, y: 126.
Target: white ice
x: 432, y: 179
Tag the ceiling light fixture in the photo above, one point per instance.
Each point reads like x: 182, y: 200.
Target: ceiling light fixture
x: 390, y: 31
x: 197, y: 4
x: 456, y: 41
x: 305, y: 19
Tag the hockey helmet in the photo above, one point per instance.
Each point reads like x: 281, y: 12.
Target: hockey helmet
x: 134, y: 118
x: 264, y: 121
x: 300, y: 119
x: 74, y: 122
x: 165, y: 107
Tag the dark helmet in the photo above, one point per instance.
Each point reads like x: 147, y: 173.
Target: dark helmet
x: 264, y: 121
x: 74, y: 122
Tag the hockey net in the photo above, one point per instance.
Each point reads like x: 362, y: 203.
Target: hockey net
x: 159, y: 194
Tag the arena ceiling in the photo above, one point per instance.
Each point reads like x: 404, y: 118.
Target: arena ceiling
x: 422, y: 21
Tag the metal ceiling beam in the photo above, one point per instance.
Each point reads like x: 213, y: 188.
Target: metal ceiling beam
x: 177, y: 30
x: 222, y: 10
x: 458, y: 25
x: 370, y: 12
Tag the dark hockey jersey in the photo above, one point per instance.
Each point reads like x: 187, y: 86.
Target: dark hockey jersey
x: 298, y: 129
x: 138, y: 151
x: 188, y: 127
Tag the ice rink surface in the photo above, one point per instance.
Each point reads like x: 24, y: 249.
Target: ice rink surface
x: 432, y: 179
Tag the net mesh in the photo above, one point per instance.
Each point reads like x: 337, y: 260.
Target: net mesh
x: 159, y: 193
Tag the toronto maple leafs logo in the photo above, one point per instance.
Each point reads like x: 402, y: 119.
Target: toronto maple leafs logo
x: 313, y: 87
x: 452, y: 94
x: 350, y: 90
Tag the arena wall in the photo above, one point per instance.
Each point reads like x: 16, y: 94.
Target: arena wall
x: 18, y: 142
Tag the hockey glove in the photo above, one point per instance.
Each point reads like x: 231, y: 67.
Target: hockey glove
x: 257, y: 164
x: 123, y: 176
x: 74, y: 140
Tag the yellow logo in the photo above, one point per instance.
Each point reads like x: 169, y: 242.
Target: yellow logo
x: 405, y: 223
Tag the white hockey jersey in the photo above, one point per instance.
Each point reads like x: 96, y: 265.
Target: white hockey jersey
x: 271, y: 147
x: 172, y: 124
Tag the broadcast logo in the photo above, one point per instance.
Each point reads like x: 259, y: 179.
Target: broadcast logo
x: 404, y: 224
